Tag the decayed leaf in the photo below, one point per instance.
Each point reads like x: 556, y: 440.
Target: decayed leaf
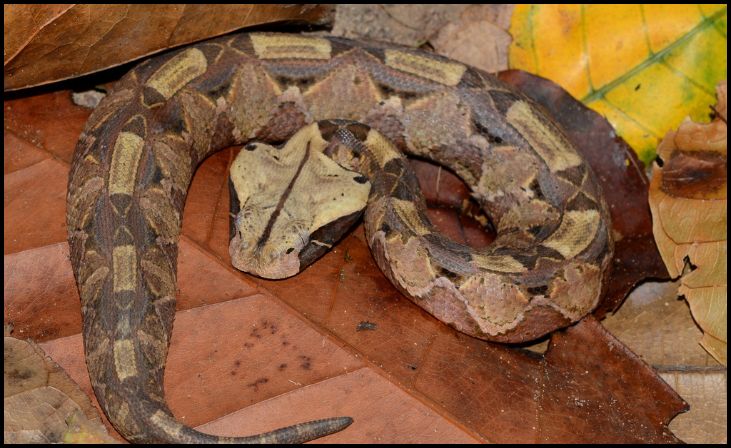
x: 42, y: 404
x: 645, y: 67
x: 48, y: 43
x: 688, y: 202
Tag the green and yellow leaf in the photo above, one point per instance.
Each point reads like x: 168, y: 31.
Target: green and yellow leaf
x: 645, y: 67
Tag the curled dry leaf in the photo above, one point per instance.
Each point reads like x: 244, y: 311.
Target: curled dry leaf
x: 688, y: 202
x: 48, y: 43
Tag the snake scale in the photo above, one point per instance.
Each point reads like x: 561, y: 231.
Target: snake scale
x: 135, y: 158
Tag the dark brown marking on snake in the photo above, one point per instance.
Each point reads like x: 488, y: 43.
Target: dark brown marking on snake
x: 328, y: 128
x: 136, y: 125
x: 302, y: 83
x: 173, y: 115
x: 359, y: 130
x: 388, y: 91
x: 547, y: 252
x: 121, y: 202
x: 152, y: 98
x: 503, y: 100
x: 581, y: 202
x: 325, y: 237
x: 574, y: 174
x: 538, y: 290
x: 487, y: 132
x: 211, y: 51
x: 268, y: 229
x: 219, y: 83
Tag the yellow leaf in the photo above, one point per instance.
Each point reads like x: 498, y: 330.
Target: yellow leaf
x: 689, y: 218
x: 645, y: 67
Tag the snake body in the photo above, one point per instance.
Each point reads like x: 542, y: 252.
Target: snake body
x: 136, y: 156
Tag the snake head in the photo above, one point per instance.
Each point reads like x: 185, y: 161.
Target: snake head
x: 290, y: 204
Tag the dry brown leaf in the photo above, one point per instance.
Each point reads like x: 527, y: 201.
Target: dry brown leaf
x: 42, y: 404
x: 655, y: 324
x: 707, y: 420
x: 479, y: 37
x: 218, y: 366
x: 48, y: 43
x: 688, y: 203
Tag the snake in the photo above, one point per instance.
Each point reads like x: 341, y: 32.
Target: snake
x: 324, y: 123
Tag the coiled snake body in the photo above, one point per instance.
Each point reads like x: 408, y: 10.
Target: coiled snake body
x: 136, y: 156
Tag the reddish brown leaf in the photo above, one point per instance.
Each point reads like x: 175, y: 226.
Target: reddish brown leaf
x: 470, y: 387
x: 479, y: 37
x: 48, y: 43
x: 594, y: 374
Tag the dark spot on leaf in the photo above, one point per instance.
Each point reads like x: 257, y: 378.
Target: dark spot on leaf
x: 259, y: 381
x: 694, y: 174
x: 365, y: 325
x: 305, y: 362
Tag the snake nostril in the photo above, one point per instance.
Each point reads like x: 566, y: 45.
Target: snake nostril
x: 289, y: 251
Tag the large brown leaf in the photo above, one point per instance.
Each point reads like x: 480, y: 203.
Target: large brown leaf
x: 689, y: 207
x: 338, y: 339
x: 48, y: 43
